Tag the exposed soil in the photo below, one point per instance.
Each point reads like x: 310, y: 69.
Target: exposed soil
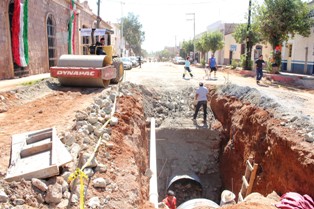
x: 250, y: 128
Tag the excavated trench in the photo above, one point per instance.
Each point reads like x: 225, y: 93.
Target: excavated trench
x: 200, y: 161
x: 187, y: 162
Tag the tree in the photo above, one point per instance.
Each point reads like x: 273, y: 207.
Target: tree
x: 240, y: 35
x: 132, y: 32
x: 215, y: 41
x: 202, y: 45
x: 186, y: 48
x: 278, y: 19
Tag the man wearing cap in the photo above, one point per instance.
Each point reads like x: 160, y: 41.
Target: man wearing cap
x: 201, y: 97
x: 227, y: 198
x: 170, y: 201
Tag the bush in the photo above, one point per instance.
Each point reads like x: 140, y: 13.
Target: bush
x: 234, y: 64
x: 203, y: 62
x: 243, y: 62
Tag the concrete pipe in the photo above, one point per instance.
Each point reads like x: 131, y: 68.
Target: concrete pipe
x: 192, y: 177
x: 84, y: 70
x: 199, y: 202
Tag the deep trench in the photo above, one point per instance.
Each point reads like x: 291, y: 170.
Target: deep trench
x: 187, y: 152
x: 187, y: 163
x: 200, y: 161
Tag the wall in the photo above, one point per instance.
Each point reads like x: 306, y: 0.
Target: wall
x: 37, y: 33
x: 298, y: 58
x: 6, y: 65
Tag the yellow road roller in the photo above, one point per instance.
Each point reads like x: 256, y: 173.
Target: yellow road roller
x: 88, y: 70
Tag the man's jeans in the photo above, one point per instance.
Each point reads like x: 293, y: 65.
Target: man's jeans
x: 197, y: 108
x: 259, y: 74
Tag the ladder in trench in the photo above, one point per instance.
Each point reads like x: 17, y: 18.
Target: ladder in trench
x: 248, y: 179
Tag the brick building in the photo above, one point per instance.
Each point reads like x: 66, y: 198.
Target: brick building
x: 47, y: 33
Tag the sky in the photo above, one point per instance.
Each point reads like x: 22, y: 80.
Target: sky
x: 169, y: 22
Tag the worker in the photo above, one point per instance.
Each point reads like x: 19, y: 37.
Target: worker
x: 140, y: 61
x: 201, y: 98
x: 99, y: 47
x: 170, y: 201
x: 227, y: 198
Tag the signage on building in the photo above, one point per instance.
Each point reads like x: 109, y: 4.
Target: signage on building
x: 233, y: 47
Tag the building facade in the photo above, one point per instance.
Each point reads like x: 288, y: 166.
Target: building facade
x: 298, y: 52
x: 52, y: 28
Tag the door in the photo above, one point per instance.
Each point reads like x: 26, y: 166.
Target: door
x: 230, y: 57
x: 289, y: 59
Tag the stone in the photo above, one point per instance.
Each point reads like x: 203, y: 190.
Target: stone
x: 3, y: 196
x: 93, y: 202
x: 100, y: 182
x: 54, y: 194
x: 41, y: 185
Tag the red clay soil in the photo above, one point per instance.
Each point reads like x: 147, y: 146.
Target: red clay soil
x: 128, y: 156
x: 286, y: 161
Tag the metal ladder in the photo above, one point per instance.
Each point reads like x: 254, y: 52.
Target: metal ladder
x: 248, y: 179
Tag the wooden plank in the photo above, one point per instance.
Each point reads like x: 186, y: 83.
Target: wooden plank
x: 252, y: 178
x: 35, y: 149
x: 40, y: 173
x: 39, y: 159
x: 38, y: 137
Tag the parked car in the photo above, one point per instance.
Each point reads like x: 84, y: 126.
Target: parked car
x: 127, y: 64
x: 134, y: 61
x: 179, y: 60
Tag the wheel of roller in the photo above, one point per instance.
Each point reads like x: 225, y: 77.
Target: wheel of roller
x: 117, y: 63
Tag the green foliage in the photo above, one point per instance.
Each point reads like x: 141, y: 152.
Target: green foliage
x: 243, y: 62
x: 234, y: 64
x: 203, y: 62
x: 132, y: 32
x: 215, y: 41
x: 31, y: 83
x: 186, y: 48
x: 241, y: 33
x: 278, y: 19
x: 202, y: 44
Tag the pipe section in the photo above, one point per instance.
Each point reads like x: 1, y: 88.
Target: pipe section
x: 153, y: 190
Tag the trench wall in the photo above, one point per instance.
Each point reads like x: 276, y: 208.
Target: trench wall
x: 286, y: 161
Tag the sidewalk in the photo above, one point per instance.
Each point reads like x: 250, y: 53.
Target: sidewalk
x: 10, y: 84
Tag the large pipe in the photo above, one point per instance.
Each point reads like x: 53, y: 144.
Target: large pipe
x: 153, y: 190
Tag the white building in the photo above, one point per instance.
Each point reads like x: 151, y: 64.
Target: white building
x: 298, y: 53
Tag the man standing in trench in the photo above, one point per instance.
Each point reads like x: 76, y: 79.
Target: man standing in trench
x: 201, y: 98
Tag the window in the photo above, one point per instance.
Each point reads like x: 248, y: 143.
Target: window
x: 290, y: 50
x: 51, y: 35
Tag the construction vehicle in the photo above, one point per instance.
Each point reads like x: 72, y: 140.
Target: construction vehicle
x: 89, y: 70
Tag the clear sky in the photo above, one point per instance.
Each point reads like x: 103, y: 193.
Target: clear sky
x: 166, y: 22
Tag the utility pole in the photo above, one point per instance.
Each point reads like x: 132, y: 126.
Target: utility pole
x: 121, y: 38
x: 98, y: 14
x: 194, y: 33
x: 248, y: 41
